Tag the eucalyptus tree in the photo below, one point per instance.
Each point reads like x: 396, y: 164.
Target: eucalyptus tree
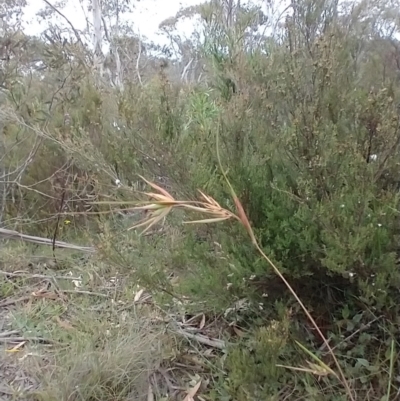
x: 11, y: 40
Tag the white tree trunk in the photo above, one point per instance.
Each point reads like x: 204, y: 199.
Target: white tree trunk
x: 118, y: 73
x: 97, y: 36
x: 184, y: 75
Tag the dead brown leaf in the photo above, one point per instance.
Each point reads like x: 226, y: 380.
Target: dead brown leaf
x: 203, y: 322
x: 43, y: 293
x: 192, y: 392
x: 64, y: 324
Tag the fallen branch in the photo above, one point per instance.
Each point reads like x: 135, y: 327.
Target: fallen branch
x: 12, y: 302
x: 31, y: 339
x: 42, y: 276
x: 11, y: 234
x: 211, y: 342
x: 8, y: 333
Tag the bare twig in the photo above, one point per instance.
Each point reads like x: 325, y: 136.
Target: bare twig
x: 54, y: 239
x: 96, y: 294
x: 138, y: 61
x: 360, y: 330
x: 172, y: 389
x: 66, y: 19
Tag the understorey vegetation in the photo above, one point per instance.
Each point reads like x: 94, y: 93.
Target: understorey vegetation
x: 295, y: 116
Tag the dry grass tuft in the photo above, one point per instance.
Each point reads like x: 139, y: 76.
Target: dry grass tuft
x: 117, y: 368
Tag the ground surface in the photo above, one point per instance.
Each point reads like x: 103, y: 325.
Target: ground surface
x: 77, y: 321
x: 46, y: 306
x: 15, y: 381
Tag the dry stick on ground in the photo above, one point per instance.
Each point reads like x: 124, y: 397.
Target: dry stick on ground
x: 42, y: 276
x: 8, y: 333
x: 11, y: 234
x: 83, y: 292
x: 27, y: 298
x: 13, y: 301
x: 30, y: 339
x: 211, y: 342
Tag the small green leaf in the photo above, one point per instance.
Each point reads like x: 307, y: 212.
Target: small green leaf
x: 362, y: 362
x: 346, y: 312
x: 357, y: 318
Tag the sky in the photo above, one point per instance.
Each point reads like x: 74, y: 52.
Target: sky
x: 146, y: 18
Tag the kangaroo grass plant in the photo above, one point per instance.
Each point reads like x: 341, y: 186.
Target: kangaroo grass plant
x: 161, y: 203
